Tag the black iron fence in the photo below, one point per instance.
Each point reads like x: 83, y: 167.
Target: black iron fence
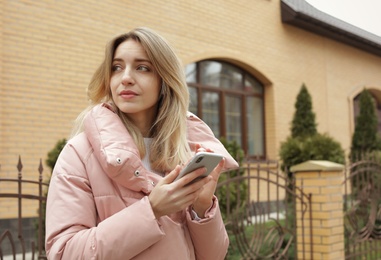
x: 14, y: 238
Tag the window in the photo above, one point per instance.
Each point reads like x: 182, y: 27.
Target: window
x: 230, y: 101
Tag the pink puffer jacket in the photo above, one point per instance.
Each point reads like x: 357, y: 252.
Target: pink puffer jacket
x: 98, y: 207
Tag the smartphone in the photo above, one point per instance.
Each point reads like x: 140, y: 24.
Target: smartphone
x: 201, y: 159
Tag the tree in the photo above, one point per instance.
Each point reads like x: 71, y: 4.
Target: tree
x: 303, y: 123
x: 54, y: 153
x: 305, y: 143
x: 365, y: 147
x: 365, y: 138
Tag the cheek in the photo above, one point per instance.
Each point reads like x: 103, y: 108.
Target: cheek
x: 113, y: 82
x: 113, y: 86
x: 156, y: 89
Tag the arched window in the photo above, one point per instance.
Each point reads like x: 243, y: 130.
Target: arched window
x: 230, y: 101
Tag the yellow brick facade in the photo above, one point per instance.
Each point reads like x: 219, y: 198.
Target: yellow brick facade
x: 49, y: 50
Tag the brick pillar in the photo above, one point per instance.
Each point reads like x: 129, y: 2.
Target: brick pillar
x: 323, y: 180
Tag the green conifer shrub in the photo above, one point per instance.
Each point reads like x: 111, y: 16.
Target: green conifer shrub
x: 305, y: 143
x: 303, y: 123
x: 365, y: 138
x: 366, y: 151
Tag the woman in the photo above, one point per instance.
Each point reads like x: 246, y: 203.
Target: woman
x: 112, y: 194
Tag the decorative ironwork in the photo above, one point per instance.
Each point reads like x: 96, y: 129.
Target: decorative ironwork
x: 260, y: 212
x: 6, y: 236
x: 362, y: 208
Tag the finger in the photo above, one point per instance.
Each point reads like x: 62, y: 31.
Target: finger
x: 221, y: 164
x: 199, y: 148
x: 187, y: 195
x: 192, y: 191
x: 170, y: 177
x: 218, y: 170
x: 189, y: 177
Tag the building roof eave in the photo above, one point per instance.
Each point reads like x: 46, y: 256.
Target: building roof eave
x: 303, y: 15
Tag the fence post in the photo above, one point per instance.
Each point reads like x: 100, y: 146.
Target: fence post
x: 323, y: 181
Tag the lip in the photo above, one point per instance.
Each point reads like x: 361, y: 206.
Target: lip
x: 127, y: 94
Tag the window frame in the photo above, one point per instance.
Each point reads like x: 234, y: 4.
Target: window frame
x: 222, y: 92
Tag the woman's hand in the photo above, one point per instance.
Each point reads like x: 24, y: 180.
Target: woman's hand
x: 171, y: 196
x: 204, y: 200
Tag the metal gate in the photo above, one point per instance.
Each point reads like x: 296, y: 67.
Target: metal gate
x: 258, y: 204
x: 362, y: 206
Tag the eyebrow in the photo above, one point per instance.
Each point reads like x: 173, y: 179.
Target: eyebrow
x: 135, y: 60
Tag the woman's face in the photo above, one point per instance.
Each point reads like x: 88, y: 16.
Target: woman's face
x: 134, y: 83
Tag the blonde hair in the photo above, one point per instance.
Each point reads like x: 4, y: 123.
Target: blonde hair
x: 169, y: 146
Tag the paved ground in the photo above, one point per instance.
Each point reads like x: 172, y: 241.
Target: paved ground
x: 19, y: 257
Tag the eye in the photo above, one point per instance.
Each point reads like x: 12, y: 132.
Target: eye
x: 143, y: 68
x: 116, y: 67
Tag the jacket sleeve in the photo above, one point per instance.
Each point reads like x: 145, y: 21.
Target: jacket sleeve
x: 209, y: 235
x: 71, y: 219
x: 200, y: 133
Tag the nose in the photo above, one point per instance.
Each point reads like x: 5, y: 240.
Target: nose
x: 127, y: 77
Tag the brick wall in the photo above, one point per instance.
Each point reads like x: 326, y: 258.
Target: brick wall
x: 323, y: 180
x: 49, y: 50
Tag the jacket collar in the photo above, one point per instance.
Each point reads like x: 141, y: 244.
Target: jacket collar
x: 119, y: 156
